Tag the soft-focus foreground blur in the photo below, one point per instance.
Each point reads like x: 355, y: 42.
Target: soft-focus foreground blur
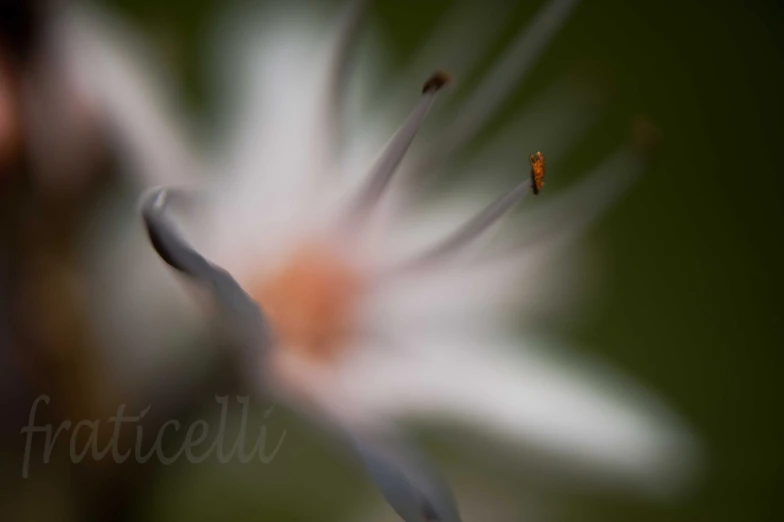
x: 396, y: 321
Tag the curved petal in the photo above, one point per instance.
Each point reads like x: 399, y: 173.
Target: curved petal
x: 242, y: 312
x: 482, y: 497
x: 408, y: 483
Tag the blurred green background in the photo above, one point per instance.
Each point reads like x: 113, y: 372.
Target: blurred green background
x: 691, y: 302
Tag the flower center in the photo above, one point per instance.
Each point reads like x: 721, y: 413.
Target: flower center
x: 310, y: 300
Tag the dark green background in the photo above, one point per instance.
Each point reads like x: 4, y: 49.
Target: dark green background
x: 692, y: 304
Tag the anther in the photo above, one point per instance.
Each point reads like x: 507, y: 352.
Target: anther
x: 537, y: 172
x: 438, y: 80
x: 393, y: 154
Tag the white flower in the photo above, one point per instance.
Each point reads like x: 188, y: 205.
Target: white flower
x: 383, y: 309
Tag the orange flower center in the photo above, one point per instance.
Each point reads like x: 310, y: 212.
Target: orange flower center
x: 310, y: 300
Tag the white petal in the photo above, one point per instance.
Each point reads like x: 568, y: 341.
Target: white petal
x: 276, y: 67
x: 113, y: 64
x: 515, y: 288
x: 542, y: 399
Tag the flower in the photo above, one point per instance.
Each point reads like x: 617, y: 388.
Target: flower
x: 347, y: 318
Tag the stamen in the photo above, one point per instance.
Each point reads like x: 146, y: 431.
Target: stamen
x: 508, y: 72
x: 448, y: 46
x: 391, y: 157
x: 570, y: 212
x: 481, y: 221
x: 340, y: 64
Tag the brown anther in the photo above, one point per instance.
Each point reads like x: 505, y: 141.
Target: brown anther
x: 436, y: 81
x: 537, y: 171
